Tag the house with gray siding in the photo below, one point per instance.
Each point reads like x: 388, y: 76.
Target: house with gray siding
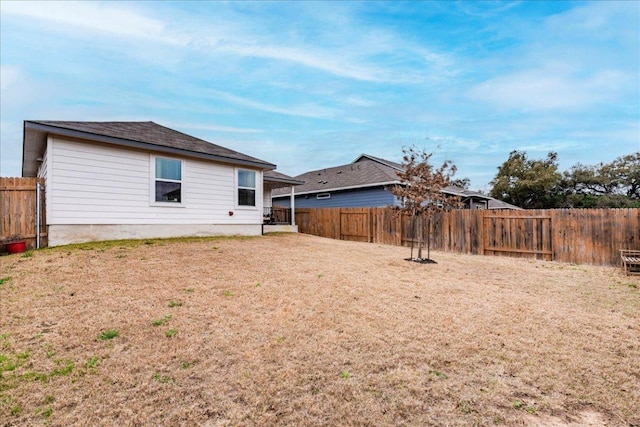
x: 121, y: 180
x: 365, y: 182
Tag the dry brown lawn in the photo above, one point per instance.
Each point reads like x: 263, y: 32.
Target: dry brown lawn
x: 303, y: 331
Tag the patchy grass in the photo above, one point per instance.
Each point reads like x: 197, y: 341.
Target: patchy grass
x: 163, y: 320
x: 469, y: 341
x: 135, y: 243
x: 92, y: 363
x: 108, y: 334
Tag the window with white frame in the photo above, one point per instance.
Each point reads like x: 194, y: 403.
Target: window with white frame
x: 168, y: 180
x: 246, y: 188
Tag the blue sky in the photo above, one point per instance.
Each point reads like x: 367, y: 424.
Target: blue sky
x: 307, y: 85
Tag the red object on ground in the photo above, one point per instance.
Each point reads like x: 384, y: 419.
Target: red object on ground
x: 15, y: 247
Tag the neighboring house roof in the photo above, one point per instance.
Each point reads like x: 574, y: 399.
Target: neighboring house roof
x: 363, y: 172
x: 499, y: 204
x: 143, y: 135
x: 389, y: 163
x: 463, y: 193
x: 370, y: 171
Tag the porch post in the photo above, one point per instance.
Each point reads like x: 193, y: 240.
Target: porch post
x: 293, y: 206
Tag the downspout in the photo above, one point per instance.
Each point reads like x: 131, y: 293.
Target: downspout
x: 38, y: 220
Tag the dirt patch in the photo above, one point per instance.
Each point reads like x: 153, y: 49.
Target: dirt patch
x: 301, y: 330
x: 584, y: 419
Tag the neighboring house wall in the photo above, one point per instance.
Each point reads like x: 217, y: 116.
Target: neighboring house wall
x: 110, y: 190
x: 366, y: 197
x: 476, y: 204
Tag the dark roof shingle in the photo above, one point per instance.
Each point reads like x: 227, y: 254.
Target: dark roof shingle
x: 150, y: 134
x: 363, y: 172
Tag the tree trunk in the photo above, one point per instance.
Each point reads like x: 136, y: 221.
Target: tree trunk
x: 429, y: 237
x: 413, y: 233
x: 419, y: 236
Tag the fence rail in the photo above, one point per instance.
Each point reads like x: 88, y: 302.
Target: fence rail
x: 579, y: 236
x: 18, y: 211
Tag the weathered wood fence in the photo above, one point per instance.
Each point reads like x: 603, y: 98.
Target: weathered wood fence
x: 580, y: 236
x: 18, y: 207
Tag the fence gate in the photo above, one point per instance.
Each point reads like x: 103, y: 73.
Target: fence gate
x: 515, y: 234
x: 22, y: 211
x: 355, y: 224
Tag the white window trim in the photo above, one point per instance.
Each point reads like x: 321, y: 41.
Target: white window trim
x: 237, y: 187
x: 152, y: 183
x: 322, y: 196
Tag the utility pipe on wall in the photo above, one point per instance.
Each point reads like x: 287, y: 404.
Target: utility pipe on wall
x: 38, y: 201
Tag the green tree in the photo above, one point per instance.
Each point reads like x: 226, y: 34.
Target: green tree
x: 420, y: 192
x: 531, y: 184
x: 614, y: 184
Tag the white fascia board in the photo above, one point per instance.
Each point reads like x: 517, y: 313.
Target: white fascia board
x: 328, y: 190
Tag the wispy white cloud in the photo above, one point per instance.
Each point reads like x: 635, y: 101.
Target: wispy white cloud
x: 598, y: 20
x: 311, y: 58
x: 485, y: 9
x: 360, y: 59
x: 303, y: 110
x: 214, y: 128
x: 20, y: 91
x: 567, y: 63
x: 110, y: 18
x: 543, y: 89
x: 9, y: 76
x: 358, y: 101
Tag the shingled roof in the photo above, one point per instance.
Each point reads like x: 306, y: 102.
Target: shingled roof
x: 275, y: 176
x: 363, y: 172
x: 144, y: 135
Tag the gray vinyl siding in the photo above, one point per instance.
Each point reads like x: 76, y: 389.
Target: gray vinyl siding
x: 358, y: 198
x: 104, y: 184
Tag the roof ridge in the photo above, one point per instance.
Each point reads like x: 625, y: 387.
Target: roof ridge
x: 390, y: 163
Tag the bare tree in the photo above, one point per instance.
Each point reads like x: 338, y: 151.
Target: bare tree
x: 420, y: 193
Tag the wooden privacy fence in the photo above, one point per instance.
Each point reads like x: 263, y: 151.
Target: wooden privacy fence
x: 18, y: 207
x: 517, y: 234
x: 580, y: 236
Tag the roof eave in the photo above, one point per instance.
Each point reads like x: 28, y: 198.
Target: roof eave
x: 352, y: 187
x: 290, y: 181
